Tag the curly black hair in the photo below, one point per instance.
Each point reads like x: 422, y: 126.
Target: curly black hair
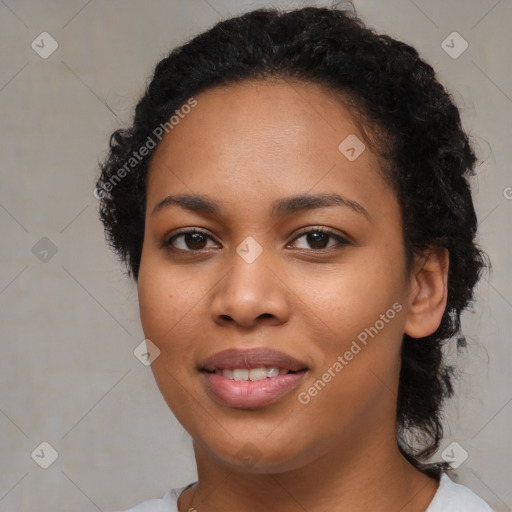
x: 416, y: 127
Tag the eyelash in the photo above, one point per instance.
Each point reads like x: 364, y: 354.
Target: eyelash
x: 341, y: 240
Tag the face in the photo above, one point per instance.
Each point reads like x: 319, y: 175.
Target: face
x: 323, y: 283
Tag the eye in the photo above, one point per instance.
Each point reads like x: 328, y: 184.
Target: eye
x: 193, y: 240
x: 318, y: 236
x: 190, y: 241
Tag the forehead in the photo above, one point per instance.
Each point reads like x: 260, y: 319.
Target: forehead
x: 284, y: 137
x: 281, y: 114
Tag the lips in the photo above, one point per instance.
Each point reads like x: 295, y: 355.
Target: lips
x: 252, y: 358
x: 248, y: 394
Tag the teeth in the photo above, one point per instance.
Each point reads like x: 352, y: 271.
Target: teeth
x: 240, y: 374
x: 273, y: 371
x: 253, y: 374
x: 257, y: 373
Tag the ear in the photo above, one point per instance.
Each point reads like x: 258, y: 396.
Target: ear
x: 428, y: 293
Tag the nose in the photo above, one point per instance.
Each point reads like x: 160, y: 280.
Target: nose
x: 250, y: 294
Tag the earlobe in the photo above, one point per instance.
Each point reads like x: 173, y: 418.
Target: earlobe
x: 428, y: 293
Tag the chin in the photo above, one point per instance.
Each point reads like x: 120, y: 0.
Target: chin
x: 251, y: 458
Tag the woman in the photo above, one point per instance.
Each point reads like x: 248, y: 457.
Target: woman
x: 292, y: 201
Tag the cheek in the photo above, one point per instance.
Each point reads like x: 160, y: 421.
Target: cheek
x: 166, y: 305
x: 350, y: 297
x: 165, y: 297
x: 359, y: 307
x: 173, y: 312
x: 153, y: 293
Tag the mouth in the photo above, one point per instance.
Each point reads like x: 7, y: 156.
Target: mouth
x: 252, y: 359
x: 253, y: 374
x: 249, y: 379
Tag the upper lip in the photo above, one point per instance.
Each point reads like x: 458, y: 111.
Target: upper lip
x: 252, y: 358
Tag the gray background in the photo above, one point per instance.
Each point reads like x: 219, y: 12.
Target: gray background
x: 68, y: 375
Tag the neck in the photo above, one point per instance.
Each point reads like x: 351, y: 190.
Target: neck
x: 365, y: 476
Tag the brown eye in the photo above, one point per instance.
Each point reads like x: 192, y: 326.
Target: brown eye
x: 318, y: 239
x: 188, y: 241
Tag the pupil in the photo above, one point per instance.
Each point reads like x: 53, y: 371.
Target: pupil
x: 317, y: 238
x: 194, y: 239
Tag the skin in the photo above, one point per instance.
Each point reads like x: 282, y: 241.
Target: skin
x: 246, y: 146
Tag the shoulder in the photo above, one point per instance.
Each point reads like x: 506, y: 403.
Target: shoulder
x: 167, y: 503
x: 452, y: 497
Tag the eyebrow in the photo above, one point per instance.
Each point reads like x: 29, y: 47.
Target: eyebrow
x: 280, y: 207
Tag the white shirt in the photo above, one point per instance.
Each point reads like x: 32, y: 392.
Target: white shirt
x: 450, y: 497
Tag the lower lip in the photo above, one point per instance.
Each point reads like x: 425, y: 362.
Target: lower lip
x: 251, y: 394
